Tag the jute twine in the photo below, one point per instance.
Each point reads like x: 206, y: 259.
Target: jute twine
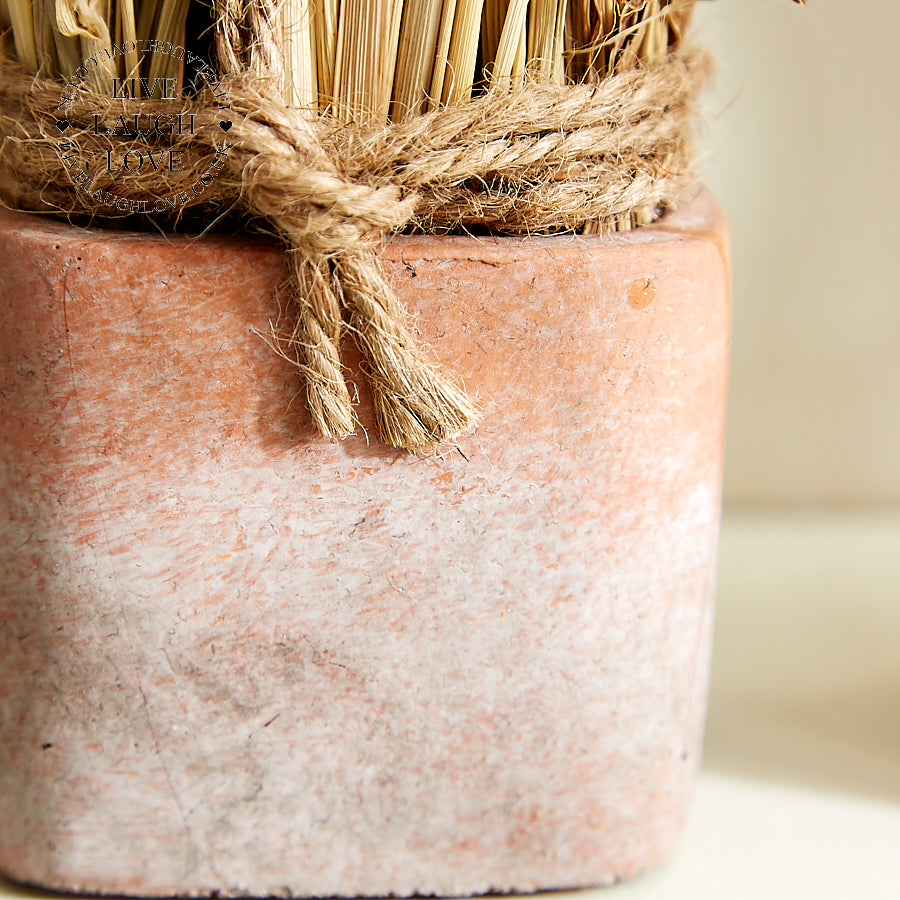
x: 528, y: 160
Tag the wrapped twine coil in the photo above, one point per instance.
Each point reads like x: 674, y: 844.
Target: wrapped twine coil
x: 528, y: 160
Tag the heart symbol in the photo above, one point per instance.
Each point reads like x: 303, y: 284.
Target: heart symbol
x: 62, y: 124
x: 223, y: 125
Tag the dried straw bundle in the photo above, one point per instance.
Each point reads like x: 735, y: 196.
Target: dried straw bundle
x: 344, y: 130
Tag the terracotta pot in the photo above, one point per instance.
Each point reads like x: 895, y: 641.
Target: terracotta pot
x: 236, y: 657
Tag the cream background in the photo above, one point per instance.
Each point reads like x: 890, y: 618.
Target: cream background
x: 803, y: 147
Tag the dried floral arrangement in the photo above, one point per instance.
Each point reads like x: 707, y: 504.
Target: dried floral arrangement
x: 353, y: 119
x: 386, y: 59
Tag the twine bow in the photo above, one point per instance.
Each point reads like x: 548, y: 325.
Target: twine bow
x: 333, y: 226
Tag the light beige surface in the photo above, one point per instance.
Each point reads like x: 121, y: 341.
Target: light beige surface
x: 800, y: 793
x: 803, y: 145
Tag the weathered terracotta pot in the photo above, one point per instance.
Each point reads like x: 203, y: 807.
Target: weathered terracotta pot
x: 236, y: 657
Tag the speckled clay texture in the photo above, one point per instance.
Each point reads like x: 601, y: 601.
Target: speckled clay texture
x: 241, y: 658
